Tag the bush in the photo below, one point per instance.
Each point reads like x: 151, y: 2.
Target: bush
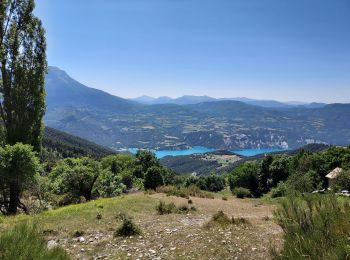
x: 316, y: 226
x: 211, y: 183
x: 76, y: 176
x: 163, y: 208
x: 128, y: 227
x: 246, y: 176
x: 279, y: 191
x: 153, y: 178
x: 19, y: 165
x: 242, y: 193
x: 108, y: 184
x: 214, y: 183
x: 342, y: 182
x: 25, y: 241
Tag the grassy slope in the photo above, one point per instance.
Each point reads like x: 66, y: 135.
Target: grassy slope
x: 174, y: 236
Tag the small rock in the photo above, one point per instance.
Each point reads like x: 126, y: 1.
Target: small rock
x: 152, y: 251
x: 254, y: 249
x: 128, y: 254
x: 51, y: 244
x: 82, y: 250
x: 81, y: 239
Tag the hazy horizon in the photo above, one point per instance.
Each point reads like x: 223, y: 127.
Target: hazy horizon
x: 271, y: 49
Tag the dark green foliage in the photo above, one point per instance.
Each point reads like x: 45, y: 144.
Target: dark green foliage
x: 279, y: 170
x: 128, y: 228
x: 153, y: 178
x: 212, y: 182
x: 18, y: 167
x: 146, y: 159
x: 343, y: 181
x: 242, y: 193
x: 246, y: 176
x: 75, y: 176
x: 25, y: 241
x: 316, y: 226
x: 22, y: 73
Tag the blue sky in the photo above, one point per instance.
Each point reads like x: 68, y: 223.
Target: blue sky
x: 266, y: 49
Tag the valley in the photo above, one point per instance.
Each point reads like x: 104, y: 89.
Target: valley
x: 229, y: 125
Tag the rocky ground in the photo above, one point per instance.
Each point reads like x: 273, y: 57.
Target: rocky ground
x: 176, y: 236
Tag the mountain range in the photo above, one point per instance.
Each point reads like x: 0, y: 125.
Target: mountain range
x: 221, y: 124
x: 190, y: 100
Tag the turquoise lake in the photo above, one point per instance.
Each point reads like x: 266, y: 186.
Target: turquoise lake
x: 201, y: 149
x: 253, y: 152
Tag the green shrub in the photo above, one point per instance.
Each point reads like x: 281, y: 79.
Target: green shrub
x: 76, y: 176
x: 213, y: 183
x: 163, y: 208
x: 109, y: 184
x: 242, y: 193
x: 25, y: 241
x: 154, y: 178
x: 246, y: 176
x: 279, y: 191
x: 315, y: 227
x: 128, y: 227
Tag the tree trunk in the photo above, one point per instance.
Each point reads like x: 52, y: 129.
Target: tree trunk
x: 14, y: 198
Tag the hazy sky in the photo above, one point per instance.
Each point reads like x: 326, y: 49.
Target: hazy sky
x: 265, y: 49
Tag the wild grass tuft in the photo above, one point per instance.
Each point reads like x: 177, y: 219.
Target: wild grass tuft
x: 163, y: 208
x: 128, y: 227
x: 221, y: 219
x: 25, y: 241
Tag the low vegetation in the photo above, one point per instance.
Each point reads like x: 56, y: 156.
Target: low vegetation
x: 128, y: 227
x: 185, y: 192
x: 221, y: 219
x: 25, y: 241
x: 315, y: 227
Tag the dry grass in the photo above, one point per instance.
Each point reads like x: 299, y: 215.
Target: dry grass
x: 174, y: 236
